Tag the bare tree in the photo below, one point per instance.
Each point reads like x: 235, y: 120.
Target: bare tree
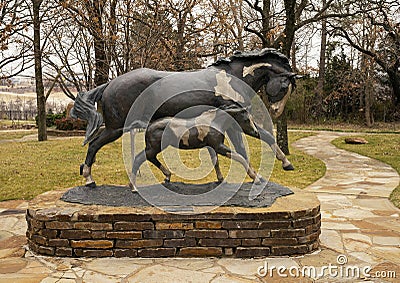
x: 98, y: 18
x: 190, y: 23
x: 322, y: 60
x: 71, y: 64
x: 384, y: 16
x: 144, y: 37
x: 41, y: 14
x: 15, y: 49
x: 37, y: 50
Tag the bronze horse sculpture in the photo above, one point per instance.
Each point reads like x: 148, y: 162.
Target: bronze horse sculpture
x: 205, y: 130
x: 256, y: 68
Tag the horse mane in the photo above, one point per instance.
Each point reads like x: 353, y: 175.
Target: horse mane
x: 254, y: 54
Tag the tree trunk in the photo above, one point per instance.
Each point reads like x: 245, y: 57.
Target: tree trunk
x: 102, y: 68
x: 180, y: 43
x: 41, y: 98
x: 112, y: 36
x: 394, y: 78
x: 281, y: 122
x: 95, y: 10
x: 266, y: 17
x: 293, y: 56
x: 367, y: 112
x: 236, y: 17
x: 102, y: 61
x: 281, y: 133
x: 322, y: 61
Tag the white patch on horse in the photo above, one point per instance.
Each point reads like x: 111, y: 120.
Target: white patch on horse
x: 203, y: 123
x: 87, y: 173
x: 277, y: 107
x: 250, y: 70
x: 225, y: 90
x: 253, y: 125
x: 178, y: 127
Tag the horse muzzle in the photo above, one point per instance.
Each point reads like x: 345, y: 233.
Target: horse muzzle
x: 278, y: 107
x: 276, y: 111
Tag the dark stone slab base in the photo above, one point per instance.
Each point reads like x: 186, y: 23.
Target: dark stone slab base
x: 123, y: 196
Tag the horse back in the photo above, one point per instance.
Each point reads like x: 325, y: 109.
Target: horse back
x: 122, y: 92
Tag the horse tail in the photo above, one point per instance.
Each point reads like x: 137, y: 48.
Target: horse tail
x: 84, y: 109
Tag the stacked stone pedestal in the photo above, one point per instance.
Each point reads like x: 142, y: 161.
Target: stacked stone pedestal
x: 290, y: 226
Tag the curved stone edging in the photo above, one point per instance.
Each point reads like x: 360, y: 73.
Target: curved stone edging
x: 290, y: 226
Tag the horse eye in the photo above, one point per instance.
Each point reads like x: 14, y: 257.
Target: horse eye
x: 285, y: 82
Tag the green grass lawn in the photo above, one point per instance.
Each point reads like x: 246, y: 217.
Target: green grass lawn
x: 8, y: 123
x: 384, y: 147
x: 31, y: 168
x: 378, y: 127
x: 10, y: 135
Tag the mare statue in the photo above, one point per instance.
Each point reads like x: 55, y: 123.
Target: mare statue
x: 255, y: 68
x: 205, y: 130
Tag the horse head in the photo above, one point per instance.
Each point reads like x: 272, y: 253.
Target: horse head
x: 263, y: 67
x: 278, y: 90
x: 243, y: 117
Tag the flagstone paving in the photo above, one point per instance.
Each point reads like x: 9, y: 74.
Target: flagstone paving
x: 357, y: 217
x: 360, y: 228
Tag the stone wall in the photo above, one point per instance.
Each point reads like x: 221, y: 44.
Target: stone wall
x: 77, y: 231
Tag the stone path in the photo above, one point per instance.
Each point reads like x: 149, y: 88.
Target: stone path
x: 358, y: 218
x: 359, y: 226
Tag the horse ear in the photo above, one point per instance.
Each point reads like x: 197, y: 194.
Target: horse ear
x: 293, y: 77
x: 234, y: 109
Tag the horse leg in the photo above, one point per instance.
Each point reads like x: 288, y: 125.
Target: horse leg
x: 286, y: 165
x: 132, y: 134
x: 152, y: 157
x: 137, y: 161
x: 236, y: 138
x: 86, y: 171
x: 270, y: 140
x: 105, y: 137
x: 224, y: 150
x: 214, y: 160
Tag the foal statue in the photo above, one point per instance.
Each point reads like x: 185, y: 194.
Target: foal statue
x: 205, y: 130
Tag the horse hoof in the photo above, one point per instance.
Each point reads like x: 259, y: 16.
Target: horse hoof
x: 288, y: 168
x: 91, y: 185
x: 167, y: 180
x: 262, y: 180
x: 81, y: 169
x: 133, y: 187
